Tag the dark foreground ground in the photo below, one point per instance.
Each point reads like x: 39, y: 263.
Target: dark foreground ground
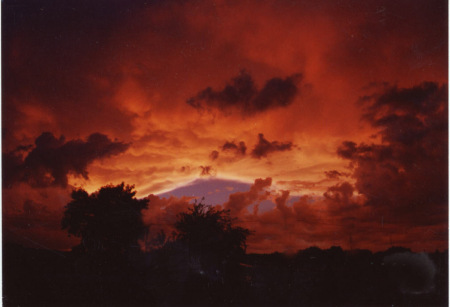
x: 173, y: 277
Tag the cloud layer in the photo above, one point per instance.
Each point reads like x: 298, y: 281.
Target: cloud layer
x: 103, y: 71
x: 51, y: 160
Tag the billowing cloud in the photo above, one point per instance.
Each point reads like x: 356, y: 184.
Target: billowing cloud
x: 51, y: 160
x: 340, y: 193
x: 265, y: 147
x: 243, y: 95
x: 241, y: 200
x: 340, y: 199
x: 403, y: 176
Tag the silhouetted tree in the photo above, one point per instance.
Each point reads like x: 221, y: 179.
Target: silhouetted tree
x: 215, y: 250
x: 208, y: 230
x: 107, y: 220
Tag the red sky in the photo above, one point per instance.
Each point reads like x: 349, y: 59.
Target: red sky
x: 321, y: 122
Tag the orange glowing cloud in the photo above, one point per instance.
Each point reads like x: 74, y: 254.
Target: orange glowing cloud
x: 322, y: 98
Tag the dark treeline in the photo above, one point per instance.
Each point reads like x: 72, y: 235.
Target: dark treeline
x: 168, y: 277
x: 204, y: 263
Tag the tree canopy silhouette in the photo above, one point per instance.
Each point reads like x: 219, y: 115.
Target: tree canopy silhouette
x: 207, y: 230
x: 107, y: 220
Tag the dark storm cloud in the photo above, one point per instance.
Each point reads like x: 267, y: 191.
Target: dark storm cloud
x: 239, y: 149
x: 405, y: 177
x: 242, y: 94
x: 264, y: 147
x: 52, y: 159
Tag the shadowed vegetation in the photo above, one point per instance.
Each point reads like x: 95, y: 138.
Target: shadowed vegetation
x: 108, y: 220
x: 204, y: 264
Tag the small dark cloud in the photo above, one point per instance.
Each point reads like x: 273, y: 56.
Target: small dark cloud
x: 242, y: 94
x: 264, y: 147
x: 231, y: 151
x: 334, y: 174
x: 207, y: 171
x: 350, y: 150
x: 214, y: 155
x: 239, y: 149
x: 52, y: 159
x: 185, y: 169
